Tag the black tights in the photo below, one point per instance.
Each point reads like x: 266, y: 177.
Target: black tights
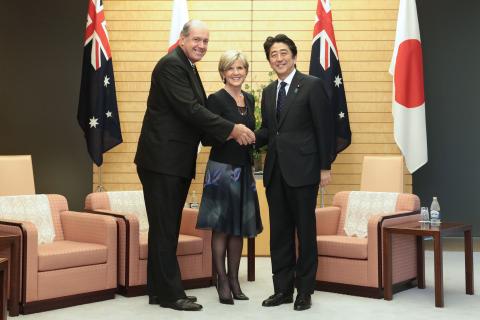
x: 221, y: 245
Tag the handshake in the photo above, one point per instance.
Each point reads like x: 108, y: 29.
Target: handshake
x: 242, y: 135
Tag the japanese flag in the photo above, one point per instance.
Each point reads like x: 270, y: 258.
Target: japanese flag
x: 179, y: 18
x: 408, y: 106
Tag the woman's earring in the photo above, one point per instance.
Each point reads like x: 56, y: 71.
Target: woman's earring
x: 224, y: 80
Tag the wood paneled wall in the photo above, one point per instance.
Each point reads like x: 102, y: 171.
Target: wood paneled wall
x: 364, y: 30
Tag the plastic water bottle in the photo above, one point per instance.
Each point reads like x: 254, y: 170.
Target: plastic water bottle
x: 194, y: 203
x: 435, y: 218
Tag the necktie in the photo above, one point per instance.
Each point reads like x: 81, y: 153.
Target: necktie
x: 282, y: 94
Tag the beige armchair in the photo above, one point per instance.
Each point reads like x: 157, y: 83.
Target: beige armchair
x: 16, y: 175
x: 78, y: 266
x: 193, y: 252
x: 353, y: 265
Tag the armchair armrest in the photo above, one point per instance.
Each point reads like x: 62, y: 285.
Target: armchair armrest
x: 376, y: 223
x: 128, y: 244
x: 189, y: 222
x: 327, y: 220
x: 126, y: 221
x: 84, y: 227
x: 188, y: 227
x: 29, y: 255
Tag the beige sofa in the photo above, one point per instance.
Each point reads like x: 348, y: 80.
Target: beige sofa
x: 79, y: 266
x: 194, y: 249
x: 353, y: 265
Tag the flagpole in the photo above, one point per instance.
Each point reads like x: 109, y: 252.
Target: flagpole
x: 100, y: 187
x: 322, y: 193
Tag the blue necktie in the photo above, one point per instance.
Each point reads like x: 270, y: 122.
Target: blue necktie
x: 282, y: 94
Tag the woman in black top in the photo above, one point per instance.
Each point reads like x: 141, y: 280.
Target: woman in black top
x: 229, y: 205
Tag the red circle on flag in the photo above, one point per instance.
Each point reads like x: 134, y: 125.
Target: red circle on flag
x: 409, y: 90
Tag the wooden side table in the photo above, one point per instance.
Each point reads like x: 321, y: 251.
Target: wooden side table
x: 12, y: 241
x: 420, y: 231
x: 3, y: 287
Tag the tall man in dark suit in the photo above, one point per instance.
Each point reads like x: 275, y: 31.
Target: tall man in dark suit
x: 296, y: 126
x: 175, y: 119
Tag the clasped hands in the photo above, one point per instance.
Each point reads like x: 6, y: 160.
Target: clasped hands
x: 243, y: 135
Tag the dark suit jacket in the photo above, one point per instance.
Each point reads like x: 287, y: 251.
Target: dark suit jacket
x: 300, y: 141
x: 223, y: 104
x: 175, y: 119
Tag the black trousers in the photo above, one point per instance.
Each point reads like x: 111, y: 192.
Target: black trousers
x: 292, y: 209
x: 165, y: 197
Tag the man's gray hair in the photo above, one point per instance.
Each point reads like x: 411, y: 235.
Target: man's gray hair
x: 192, y: 24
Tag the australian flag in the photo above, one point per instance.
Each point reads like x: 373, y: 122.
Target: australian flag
x: 97, y: 107
x: 325, y: 64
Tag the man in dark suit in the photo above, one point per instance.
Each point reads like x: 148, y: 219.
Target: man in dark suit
x: 296, y: 126
x: 175, y: 119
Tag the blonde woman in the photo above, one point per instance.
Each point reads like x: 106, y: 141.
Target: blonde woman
x: 229, y: 205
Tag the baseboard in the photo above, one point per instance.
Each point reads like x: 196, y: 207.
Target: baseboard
x: 68, y: 301
x: 141, y: 290
x: 362, y: 291
x: 354, y: 290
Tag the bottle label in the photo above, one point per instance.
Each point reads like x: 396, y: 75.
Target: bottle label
x: 194, y: 205
x: 434, y: 214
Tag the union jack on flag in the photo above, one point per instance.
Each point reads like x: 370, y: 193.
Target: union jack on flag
x: 97, y: 33
x: 97, y: 106
x: 325, y: 64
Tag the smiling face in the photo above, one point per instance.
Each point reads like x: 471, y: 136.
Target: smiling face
x: 235, y: 74
x: 195, y: 45
x: 281, y: 59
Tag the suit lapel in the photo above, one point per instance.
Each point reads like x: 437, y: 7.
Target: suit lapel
x: 291, y: 95
x: 194, y: 77
x: 200, y: 91
x: 273, y: 107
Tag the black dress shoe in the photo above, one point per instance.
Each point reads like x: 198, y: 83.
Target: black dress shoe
x: 182, y: 305
x: 277, y: 299
x: 302, y: 302
x: 154, y: 299
x: 240, y: 296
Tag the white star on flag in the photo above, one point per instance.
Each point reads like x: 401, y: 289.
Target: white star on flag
x: 341, y: 115
x: 108, y: 114
x: 337, y: 81
x: 106, y: 81
x: 93, y: 122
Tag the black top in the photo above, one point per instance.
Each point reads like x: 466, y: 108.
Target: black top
x: 223, y: 104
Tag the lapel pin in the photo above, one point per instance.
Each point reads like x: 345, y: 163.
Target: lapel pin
x: 296, y: 89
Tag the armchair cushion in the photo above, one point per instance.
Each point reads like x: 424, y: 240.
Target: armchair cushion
x: 362, y: 205
x: 33, y: 208
x: 327, y: 220
x: 129, y: 202
x: 16, y: 175
x: 342, y: 247
x: 70, y: 254
x: 187, y: 245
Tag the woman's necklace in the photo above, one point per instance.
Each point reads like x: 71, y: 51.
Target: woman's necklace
x: 240, y: 102
x: 242, y: 110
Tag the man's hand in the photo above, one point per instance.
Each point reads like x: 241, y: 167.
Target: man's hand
x: 325, y: 178
x: 242, y: 135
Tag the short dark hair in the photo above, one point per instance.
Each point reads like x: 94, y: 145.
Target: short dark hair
x: 267, y: 45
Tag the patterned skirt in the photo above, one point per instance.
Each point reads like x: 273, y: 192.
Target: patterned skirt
x: 229, y: 201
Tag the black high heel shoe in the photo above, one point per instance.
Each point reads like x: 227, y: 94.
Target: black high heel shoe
x: 237, y: 296
x: 240, y: 296
x: 223, y: 300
